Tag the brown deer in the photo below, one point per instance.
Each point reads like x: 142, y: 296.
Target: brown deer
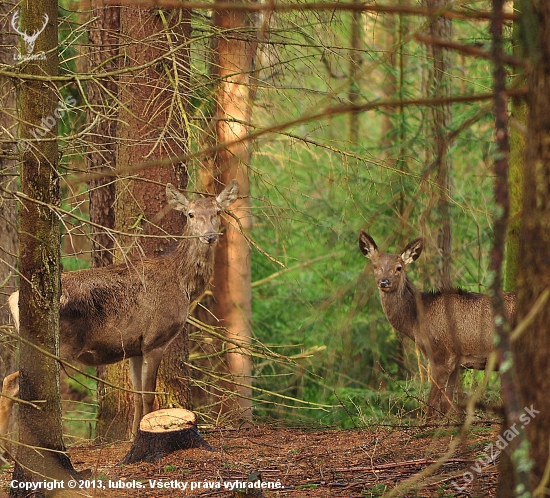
x: 135, y: 310
x: 452, y: 328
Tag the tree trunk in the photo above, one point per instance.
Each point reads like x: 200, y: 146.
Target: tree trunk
x: 8, y: 181
x: 506, y: 482
x: 163, y: 432
x: 232, y: 275
x: 440, y: 82
x: 153, y: 101
x: 102, y: 57
x: 515, y: 174
x: 355, y: 60
x: 532, y: 349
x: 40, y: 283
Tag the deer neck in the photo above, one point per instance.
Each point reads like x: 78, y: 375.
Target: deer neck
x: 400, y: 308
x: 195, y: 264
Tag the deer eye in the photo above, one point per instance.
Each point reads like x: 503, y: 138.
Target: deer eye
x: 190, y: 215
x: 399, y: 268
x: 218, y: 212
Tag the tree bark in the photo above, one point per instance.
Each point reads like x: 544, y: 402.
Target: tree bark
x: 440, y: 82
x: 152, y: 102
x: 355, y: 61
x: 8, y: 181
x: 103, y: 57
x: 162, y: 432
x: 232, y: 276
x: 532, y: 349
x: 506, y: 482
x: 40, y: 284
x: 103, y: 109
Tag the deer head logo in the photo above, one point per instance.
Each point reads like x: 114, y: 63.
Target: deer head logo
x: 29, y: 39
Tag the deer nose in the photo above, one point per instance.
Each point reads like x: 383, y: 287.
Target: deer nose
x: 384, y: 283
x: 211, y: 237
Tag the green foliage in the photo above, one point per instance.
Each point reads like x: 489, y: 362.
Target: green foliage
x: 79, y: 405
x: 313, y: 191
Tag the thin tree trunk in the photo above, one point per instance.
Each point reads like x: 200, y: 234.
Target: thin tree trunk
x: 152, y: 114
x: 506, y: 482
x: 515, y: 175
x: 440, y: 86
x: 232, y: 275
x: 8, y: 181
x: 355, y: 61
x: 40, y: 282
x: 102, y: 57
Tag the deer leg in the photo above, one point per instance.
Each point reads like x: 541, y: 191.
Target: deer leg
x: 10, y: 386
x: 151, y: 362
x: 454, y: 380
x: 136, y: 366
x: 437, y: 402
x: 433, y: 402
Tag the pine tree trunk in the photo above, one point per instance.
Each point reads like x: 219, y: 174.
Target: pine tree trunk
x: 506, y: 482
x: 8, y: 181
x: 102, y: 57
x: 232, y: 275
x: 439, y: 85
x: 153, y: 101
x: 40, y: 283
x: 355, y: 60
x: 532, y: 349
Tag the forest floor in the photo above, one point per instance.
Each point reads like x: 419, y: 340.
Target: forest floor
x: 299, y: 463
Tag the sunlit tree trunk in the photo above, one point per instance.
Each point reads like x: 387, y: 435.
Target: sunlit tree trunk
x: 40, y: 283
x: 234, y: 62
x: 151, y: 126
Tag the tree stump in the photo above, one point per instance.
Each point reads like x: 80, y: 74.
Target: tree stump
x: 164, y: 431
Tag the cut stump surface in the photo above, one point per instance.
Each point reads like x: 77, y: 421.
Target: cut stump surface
x: 164, y: 431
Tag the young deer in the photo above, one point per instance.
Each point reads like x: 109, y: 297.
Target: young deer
x: 135, y: 310
x: 453, y: 329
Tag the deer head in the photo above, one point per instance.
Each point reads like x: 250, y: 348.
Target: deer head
x: 203, y: 215
x: 29, y: 39
x: 389, y: 269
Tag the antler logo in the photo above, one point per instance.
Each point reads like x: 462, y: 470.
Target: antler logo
x: 28, y: 39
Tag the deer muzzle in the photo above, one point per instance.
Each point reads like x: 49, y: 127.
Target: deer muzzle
x: 384, y: 283
x: 210, y: 238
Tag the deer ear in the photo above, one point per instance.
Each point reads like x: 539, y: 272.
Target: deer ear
x: 412, y: 251
x: 228, y: 195
x: 367, y: 245
x: 176, y: 199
